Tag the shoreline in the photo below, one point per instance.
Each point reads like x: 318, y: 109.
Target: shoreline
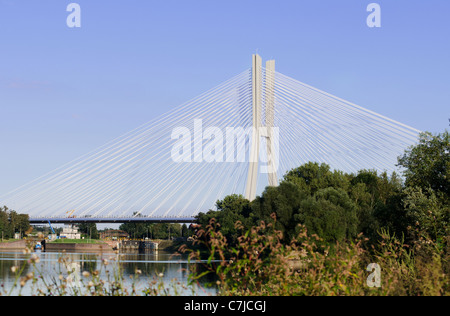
x: 59, y: 247
x: 101, y: 246
x: 13, y: 245
x: 22, y: 245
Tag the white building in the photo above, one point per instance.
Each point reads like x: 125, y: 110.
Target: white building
x: 70, y: 232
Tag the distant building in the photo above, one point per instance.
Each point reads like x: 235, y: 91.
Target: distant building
x: 70, y: 232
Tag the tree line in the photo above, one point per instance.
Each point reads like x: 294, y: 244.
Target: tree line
x: 12, y: 222
x: 156, y: 230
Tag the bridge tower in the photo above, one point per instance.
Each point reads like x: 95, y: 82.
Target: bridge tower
x: 260, y: 84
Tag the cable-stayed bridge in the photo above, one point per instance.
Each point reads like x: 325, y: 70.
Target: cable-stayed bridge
x: 238, y: 137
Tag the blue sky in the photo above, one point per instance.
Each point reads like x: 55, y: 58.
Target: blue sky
x: 64, y: 92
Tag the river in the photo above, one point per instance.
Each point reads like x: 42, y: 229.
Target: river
x: 165, y: 272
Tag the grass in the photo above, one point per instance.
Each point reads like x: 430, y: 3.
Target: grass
x: 262, y: 264
x: 9, y: 240
x: 77, y: 241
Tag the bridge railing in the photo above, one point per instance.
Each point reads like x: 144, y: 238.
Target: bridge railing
x: 112, y: 219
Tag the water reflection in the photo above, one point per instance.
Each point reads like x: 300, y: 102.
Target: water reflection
x: 166, y: 267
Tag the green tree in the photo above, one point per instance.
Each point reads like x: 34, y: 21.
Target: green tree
x: 185, y: 232
x: 283, y: 201
x: 233, y: 208
x: 90, y: 230
x: 312, y: 177
x: 427, y: 165
x: 379, y: 202
x: 152, y: 230
x: 329, y: 213
x: 135, y: 230
x: 12, y: 222
x: 4, y: 222
x: 427, y: 179
x: 427, y: 212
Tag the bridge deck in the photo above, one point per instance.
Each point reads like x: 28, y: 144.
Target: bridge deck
x: 112, y: 220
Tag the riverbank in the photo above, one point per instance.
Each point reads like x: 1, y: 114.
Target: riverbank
x: 13, y: 245
x: 78, y: 246
x: 88, y: 245
x: 69, y: 245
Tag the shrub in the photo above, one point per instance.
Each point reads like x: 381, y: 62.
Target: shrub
x: 261, y: 264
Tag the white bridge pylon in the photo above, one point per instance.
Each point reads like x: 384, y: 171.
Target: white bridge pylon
x: 236, y: 138
x: 258, y: 131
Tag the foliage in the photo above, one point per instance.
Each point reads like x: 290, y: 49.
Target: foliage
x: 332, y: 204
x: 284, y: 202
x: 331, y: 214
x: 315, y: 215
x: 154, y: 231
x: 311, y: 177
x: 379, y: 202
x: 11, y: 222
x: 427, y: 185
x: 425, y: 210
x: 89, y: 229
x: 427, y: 165
x: 233, y: 208
x: 261, y: 264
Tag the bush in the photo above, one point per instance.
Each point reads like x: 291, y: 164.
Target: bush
x: 261, y: 264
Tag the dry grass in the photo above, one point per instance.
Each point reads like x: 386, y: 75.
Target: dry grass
x: 261, y: 264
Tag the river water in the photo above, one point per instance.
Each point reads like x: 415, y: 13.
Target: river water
x: 167, y: 272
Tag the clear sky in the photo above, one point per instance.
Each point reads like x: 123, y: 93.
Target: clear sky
x: 66, y: 91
